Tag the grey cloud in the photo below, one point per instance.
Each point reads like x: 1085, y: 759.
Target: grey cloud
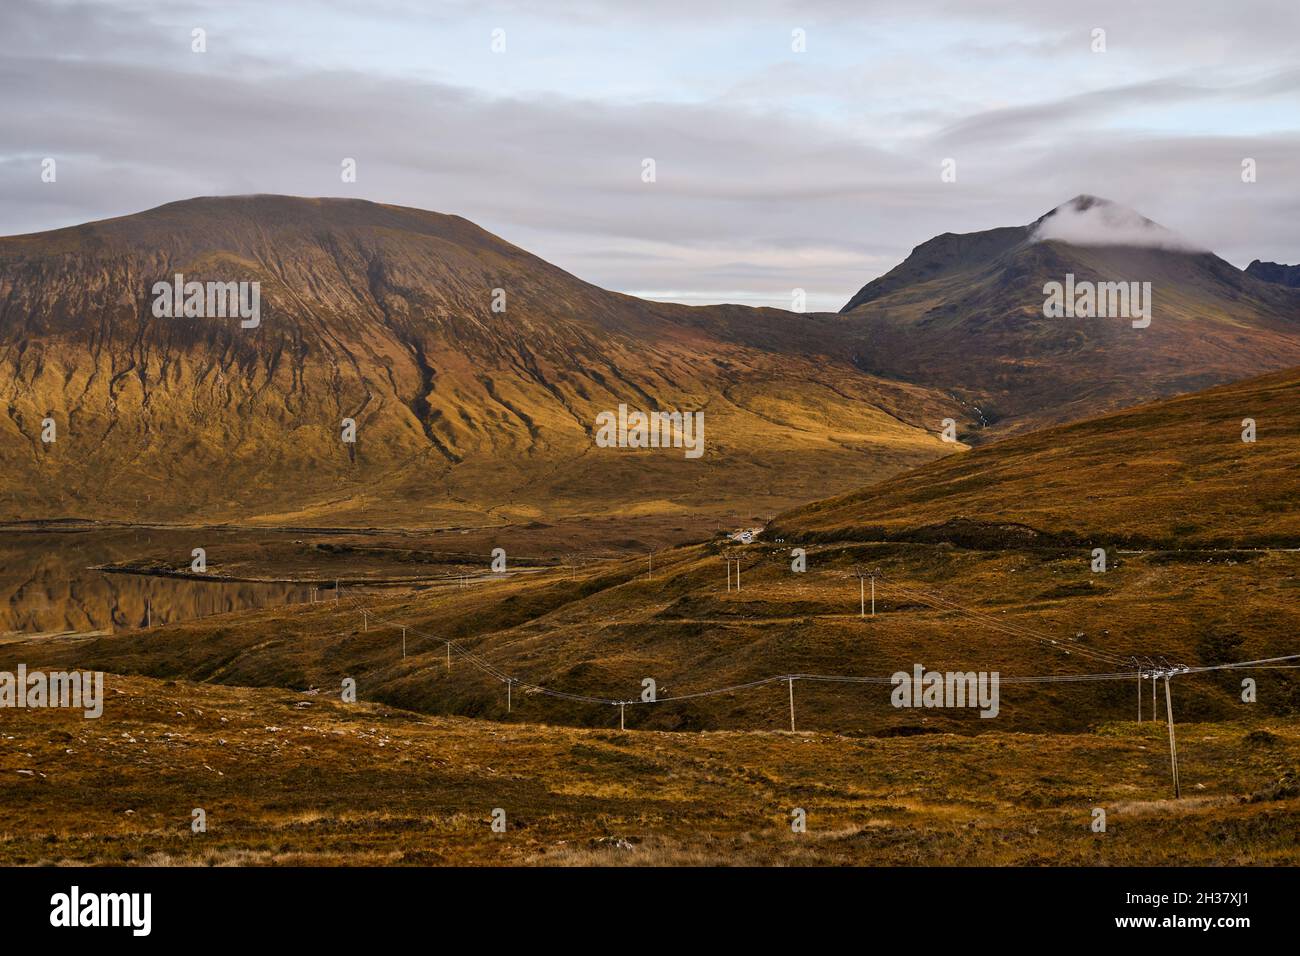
x: 753, y: 193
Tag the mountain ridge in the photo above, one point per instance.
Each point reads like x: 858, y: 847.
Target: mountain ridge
x: 474, y: 371
x: 1277, y: 272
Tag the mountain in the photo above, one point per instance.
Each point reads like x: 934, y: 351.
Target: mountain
x: 1288, y: 276
x: 478, y: 376
x: 464, y: 414
x: 967, y: 312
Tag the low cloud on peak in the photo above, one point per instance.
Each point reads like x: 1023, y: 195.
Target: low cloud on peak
x: 1092, y: 221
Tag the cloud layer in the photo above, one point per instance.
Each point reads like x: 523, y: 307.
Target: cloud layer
x: 775, y: 169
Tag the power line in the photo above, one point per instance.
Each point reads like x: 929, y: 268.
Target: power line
x: 509, y: 679
x: 939, y: 602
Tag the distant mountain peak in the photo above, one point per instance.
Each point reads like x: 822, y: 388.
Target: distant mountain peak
x: 1085, y: 201
x: 1276, y: 272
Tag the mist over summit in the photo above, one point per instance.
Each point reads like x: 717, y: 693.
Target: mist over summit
x: 1092, y: 221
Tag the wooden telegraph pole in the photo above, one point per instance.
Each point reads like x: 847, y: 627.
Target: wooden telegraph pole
x: 730, y: 556
x: 1173, y: 745
x: 862, y: 574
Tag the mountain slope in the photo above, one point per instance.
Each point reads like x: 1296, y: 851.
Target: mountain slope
x: 1172, y: 474
x: 385, y: 315
x: 967, y: 312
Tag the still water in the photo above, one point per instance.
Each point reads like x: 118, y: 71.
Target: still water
x: 46, y: 585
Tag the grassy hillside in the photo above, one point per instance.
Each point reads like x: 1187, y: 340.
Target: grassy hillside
x: 1172, y: 474
x: 984, y: 563
x: 240, y: 713
x: 296, y: 779
x: 601, y: 632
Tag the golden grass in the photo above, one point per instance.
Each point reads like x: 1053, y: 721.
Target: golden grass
x: 283, y: 785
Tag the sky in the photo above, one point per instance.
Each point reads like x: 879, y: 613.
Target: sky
x: 775, y: 167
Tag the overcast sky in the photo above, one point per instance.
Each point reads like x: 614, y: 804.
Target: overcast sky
x: 775, y: 169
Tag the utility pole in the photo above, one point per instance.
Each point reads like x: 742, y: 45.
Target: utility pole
x: 732, y: 556
x: 791, y: 682
x: 365, y: 621
x: 449, y: 657
x: 861, y: 573
x: 403, y: 642
x: 1173, y: 746
x: 621, y: 725
x: 1139, y: 693
x: 509, y: 682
